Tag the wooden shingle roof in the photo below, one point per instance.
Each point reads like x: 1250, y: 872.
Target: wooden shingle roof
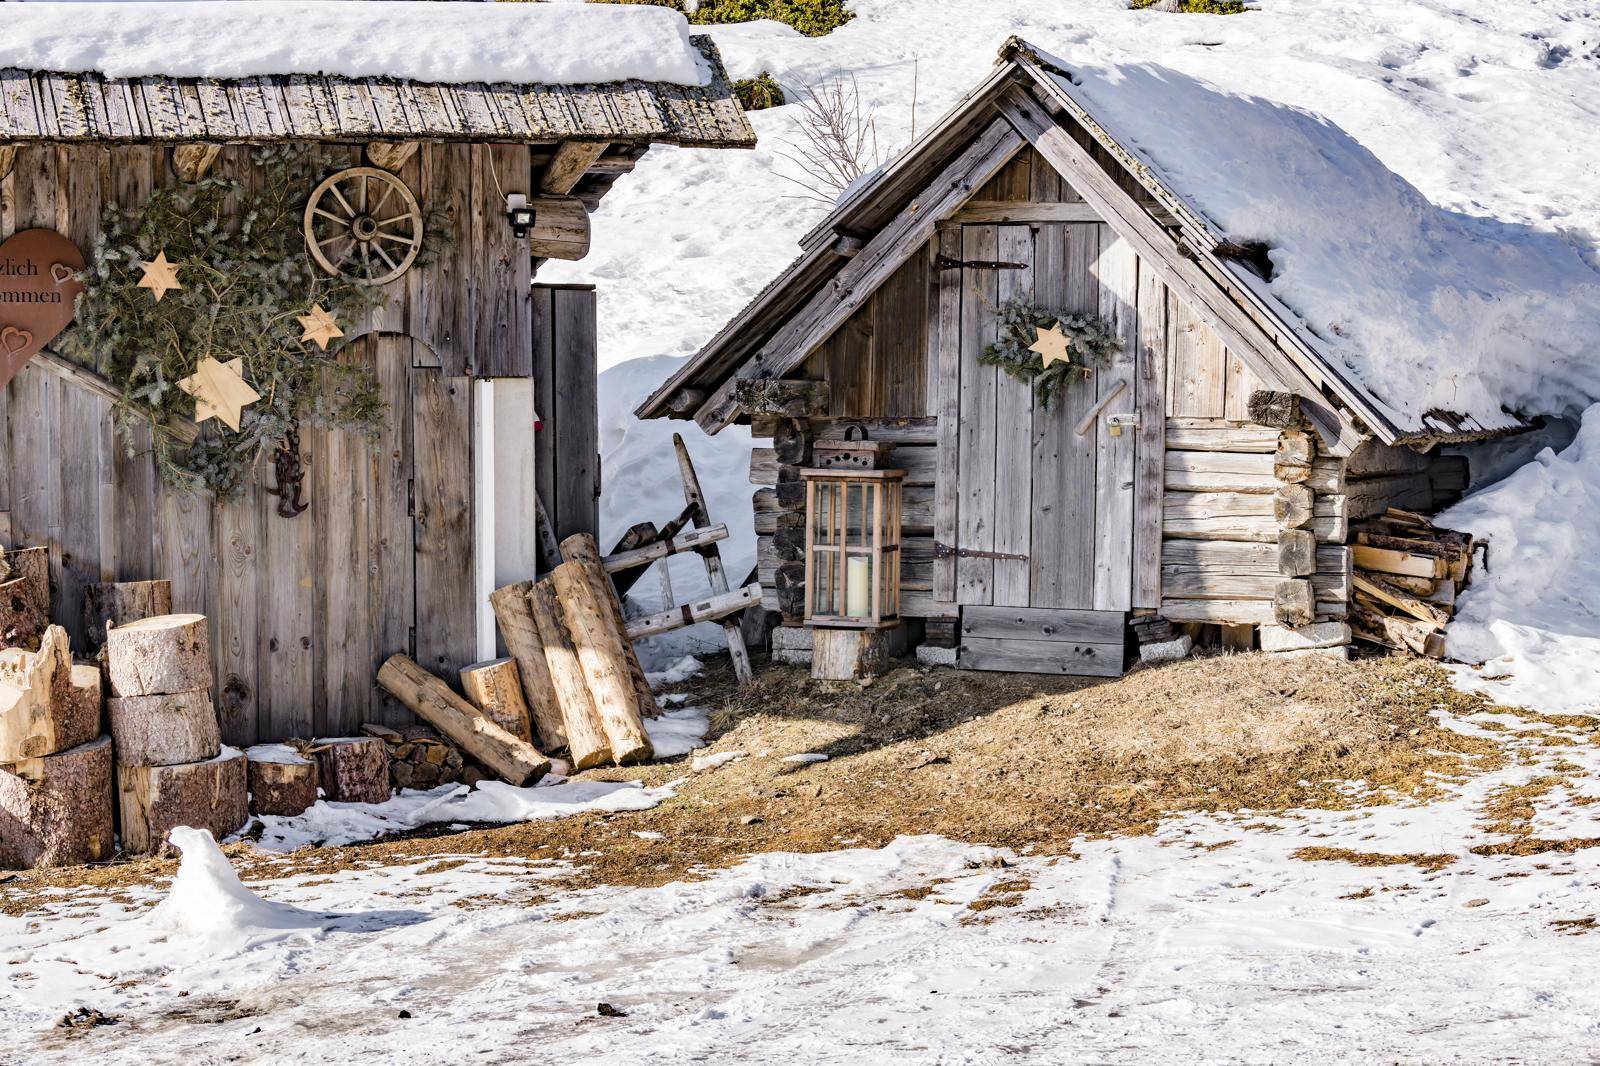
x: 41, y: 106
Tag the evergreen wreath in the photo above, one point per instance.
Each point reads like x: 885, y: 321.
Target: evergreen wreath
x: 246, y: 278
x: 1091, y: 341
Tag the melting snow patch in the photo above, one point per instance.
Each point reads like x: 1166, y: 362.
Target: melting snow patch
x: 809, y: 756
x: 703, y: 763
x: 678, y: 731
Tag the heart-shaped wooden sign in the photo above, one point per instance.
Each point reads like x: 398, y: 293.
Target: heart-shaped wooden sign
x: 38, y: 288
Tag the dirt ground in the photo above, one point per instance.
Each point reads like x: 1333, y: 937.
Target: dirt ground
x: 1021, y: 761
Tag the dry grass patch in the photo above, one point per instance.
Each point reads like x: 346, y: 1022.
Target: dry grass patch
x: 1001, y: 759
x: 1432, y: 863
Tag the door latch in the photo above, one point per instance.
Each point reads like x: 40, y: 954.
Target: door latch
x: 1115, y: 423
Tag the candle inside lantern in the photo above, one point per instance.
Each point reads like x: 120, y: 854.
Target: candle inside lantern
x: 858, y: 586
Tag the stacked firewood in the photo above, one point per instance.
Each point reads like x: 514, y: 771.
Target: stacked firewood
x: 55, y: 764
x: 172, y: 767
x: 419, y: 758
x: 1408, y: 573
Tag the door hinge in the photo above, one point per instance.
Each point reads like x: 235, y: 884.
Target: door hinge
x: 945, y: 551
x: 945, y: 262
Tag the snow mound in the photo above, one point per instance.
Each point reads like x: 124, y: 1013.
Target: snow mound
x: 208, y: 902
x: 1531, y: 616
x: 678, y: 731
x: 1432, y: 309
x: 549, y: 44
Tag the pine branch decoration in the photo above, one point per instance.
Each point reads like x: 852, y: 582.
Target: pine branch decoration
x: 246, y: 277
x: 1092, y: 343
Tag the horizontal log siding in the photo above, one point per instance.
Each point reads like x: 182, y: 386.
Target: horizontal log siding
x: 1219, y: 553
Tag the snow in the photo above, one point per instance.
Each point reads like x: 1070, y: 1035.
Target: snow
x: 1206, y: 940
x: 702, y: 763
x: 678, y: 731
x: 1469, y: 128
x: 806, y: 757
x: 1531, y: 617
x: 549, y: 44
x: 276, y: 753
x: 208, y: 903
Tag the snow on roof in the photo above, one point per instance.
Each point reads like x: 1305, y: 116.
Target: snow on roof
x: 549, y: 44
x: 1431, y: 309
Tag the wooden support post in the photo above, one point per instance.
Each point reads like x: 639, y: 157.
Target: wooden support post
x: 515, y: 615
x: 545, y: 532
x: 1238, y: 638
x: 713, y: 560
x: 516, y: 761
x: 603, y: 652
x: 192, y: 162
x: 391, y: 155
x: 586, y: 737
x: 583, y: 548
x: 567, y: 167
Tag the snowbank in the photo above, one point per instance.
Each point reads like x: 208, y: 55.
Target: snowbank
x: 1432, y: 309
x: 1532, y: 616
x: 452, y: 43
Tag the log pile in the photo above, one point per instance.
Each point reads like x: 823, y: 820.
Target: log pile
x: 55, y: 766
x: 172, y: 768
x: 282, y: 781
x: 418, y: 757
x: 1408, y: 573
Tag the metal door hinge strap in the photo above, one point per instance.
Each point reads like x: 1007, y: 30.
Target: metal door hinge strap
x: 945, y: 551
x: 945, y: 262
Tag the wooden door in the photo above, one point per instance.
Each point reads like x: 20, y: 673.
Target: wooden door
x: 1052, y: 509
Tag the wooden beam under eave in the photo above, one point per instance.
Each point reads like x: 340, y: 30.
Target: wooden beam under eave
x: 8, y: 159
x: 1155, y: 246
x: 192, y: 162
x: 391, y: 155
x: 568, y: 166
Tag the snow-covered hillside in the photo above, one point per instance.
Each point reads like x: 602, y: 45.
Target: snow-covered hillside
x: 1489, y: 110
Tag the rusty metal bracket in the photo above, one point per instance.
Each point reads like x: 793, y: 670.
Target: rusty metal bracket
x: 945, y: 262
x: 289, y: 475
x: 945, y: 551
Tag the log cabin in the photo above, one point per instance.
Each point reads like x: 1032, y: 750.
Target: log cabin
x: 488, y: 375
x: 1207, y: 474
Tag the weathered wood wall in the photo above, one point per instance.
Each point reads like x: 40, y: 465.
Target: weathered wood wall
x: 568, y: 451
x: 302, y: 610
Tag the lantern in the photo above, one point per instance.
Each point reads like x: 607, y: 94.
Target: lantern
x: 852, y: 535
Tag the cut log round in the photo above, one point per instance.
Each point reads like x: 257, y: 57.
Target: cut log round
x: 159, y: 655
x: 560, y: 228
x: 583, y: 548
x: 282, y: 781
x: 496, y: 687
x: 603, y: 655
x: 515, y: 760
x: 1294, y: 506
x: 353, y: 769
x: 515, y: 616
x: 46, y: 705
x: 586, y: 737
x: 57, y: 810
x: 1297, y: 553
x: 121, y: 602
x: 848, y: 654
x: 164, y: 730
x: 1294, y: 603
x: 206, y: 795
x: 25, y: 598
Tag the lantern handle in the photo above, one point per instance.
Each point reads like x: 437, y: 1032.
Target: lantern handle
x: 855, y: 427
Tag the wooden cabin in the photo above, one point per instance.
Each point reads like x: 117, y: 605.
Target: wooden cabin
x: 489, y: 376
x: 1208, y: 475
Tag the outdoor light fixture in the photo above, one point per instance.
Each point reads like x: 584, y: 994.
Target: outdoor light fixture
x: 520, y: 214
x: 852, y: 534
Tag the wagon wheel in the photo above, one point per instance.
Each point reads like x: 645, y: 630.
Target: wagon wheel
x: 364, y: 224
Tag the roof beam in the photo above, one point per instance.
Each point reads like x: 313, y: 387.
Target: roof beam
x: 1237, y: 329
x: 568, y: 166
x: 879, y: 258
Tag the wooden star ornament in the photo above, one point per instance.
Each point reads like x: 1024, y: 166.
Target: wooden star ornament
x: 160, y: 276
x: 1052, y: 345
x: 320, y: 327
x: 219, y: 391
